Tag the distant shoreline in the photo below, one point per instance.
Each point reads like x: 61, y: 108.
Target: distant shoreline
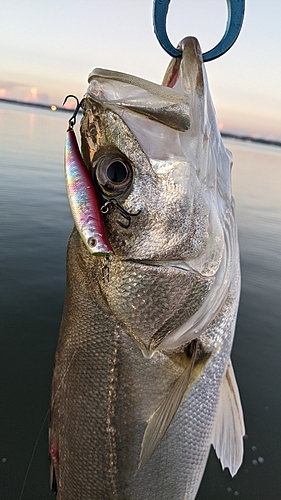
x: 226, y: 135
x: 35, y: 105
x: 247, y: 138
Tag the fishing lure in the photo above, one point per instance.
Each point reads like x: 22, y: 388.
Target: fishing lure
x: 82, y: 197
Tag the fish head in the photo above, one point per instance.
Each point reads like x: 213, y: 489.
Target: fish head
x: 158, y: 163
x: 149, y: 147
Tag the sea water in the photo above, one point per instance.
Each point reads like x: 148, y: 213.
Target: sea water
x: 35, y: 225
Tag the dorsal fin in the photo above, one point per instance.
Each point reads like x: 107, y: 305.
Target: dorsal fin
x: 229, y: 424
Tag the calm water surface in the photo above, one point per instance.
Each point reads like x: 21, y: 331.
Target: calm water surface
x: 35, y: 224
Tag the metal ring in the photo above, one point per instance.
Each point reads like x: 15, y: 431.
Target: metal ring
x: 236, y: 9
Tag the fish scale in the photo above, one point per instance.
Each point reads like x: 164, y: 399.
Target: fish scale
x: 141, y: 288
x: 143, y: 383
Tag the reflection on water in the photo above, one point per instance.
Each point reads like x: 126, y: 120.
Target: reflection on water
x: 256, y: 185
x: 256, y: 351
x: 35, y: 225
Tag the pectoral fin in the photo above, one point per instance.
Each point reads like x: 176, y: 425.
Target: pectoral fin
x: 163, y: 416
x: 229, y: 425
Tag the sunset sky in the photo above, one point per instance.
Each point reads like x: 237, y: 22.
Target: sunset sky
x: 48, y: 48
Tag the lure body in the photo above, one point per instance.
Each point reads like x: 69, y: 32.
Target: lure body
x: 83, y: 200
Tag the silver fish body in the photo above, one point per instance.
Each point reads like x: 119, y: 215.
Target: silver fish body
x: 143, y: 382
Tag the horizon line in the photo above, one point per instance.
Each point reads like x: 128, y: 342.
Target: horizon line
x: 55, y: 107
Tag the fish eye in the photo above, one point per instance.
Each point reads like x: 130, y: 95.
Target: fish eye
x: 116, y: 172
x: 113, y: 174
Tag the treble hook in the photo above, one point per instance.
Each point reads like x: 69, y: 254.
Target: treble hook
x: 127, y: 215
x: 79, y: 104
x: 236, y: 9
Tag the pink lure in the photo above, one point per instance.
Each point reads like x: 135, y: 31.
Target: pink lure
x: 83, y: 200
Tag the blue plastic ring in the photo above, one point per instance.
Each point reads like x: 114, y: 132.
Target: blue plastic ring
x: 236, y: 9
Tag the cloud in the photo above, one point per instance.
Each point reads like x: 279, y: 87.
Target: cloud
x: 35, y: 96
x: 4, y: 84
x: 23, y: 92
x: 32, y: 95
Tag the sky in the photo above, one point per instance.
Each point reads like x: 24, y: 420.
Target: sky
x: 49, y: 47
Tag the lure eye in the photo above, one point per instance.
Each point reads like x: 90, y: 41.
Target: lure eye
x: 113, y: 174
